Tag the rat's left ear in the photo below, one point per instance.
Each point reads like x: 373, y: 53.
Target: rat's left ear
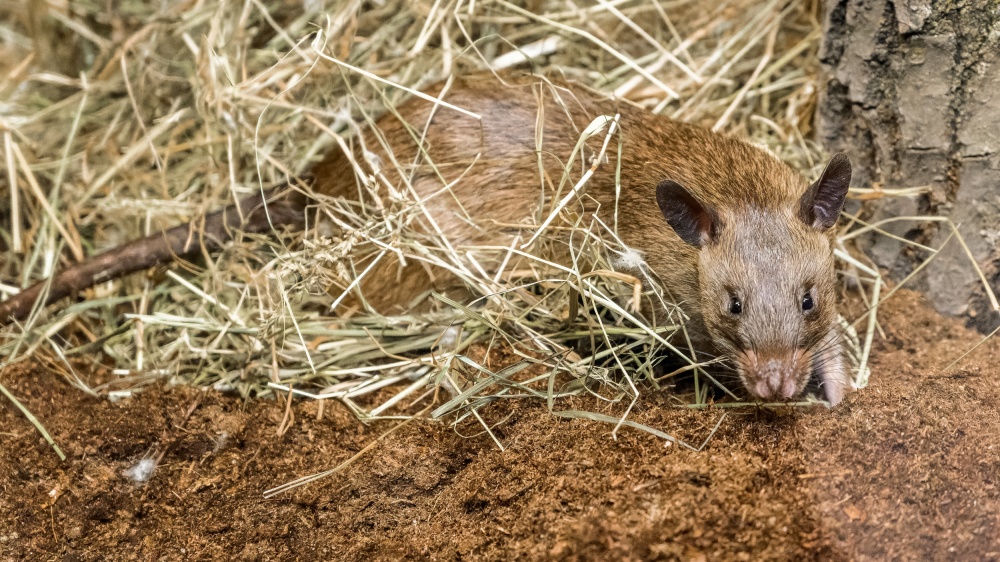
x: 820, y: 205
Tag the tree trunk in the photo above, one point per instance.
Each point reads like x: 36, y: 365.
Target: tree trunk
x: 911, y: 91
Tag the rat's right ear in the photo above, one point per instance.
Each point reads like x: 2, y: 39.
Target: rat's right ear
x: 695, y: 223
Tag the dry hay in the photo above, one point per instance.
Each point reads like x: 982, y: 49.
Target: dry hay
x: 134, y: 116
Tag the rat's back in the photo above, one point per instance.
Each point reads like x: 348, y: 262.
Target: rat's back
x: 478, y: 178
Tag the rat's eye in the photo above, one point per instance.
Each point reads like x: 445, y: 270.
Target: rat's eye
x: 807, y: 302
x: 735, y: 305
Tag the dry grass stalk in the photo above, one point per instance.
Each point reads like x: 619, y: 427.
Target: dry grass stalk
x: 174, y: 109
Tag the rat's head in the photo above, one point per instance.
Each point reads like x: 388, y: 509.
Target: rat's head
x: 767, y: 281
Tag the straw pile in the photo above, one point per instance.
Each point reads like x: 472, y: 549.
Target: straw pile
x: 120, y: 119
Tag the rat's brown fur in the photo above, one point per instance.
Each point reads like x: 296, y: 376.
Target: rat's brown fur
x: 753, y: 229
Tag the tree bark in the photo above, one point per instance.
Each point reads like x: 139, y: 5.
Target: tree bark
x: 911, y: 91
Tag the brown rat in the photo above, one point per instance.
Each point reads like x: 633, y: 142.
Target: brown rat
x: 736, y: 238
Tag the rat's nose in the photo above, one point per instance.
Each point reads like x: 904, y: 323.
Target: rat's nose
x: 774, y: 381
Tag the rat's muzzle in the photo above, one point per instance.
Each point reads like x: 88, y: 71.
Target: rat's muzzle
x: 772, y: 376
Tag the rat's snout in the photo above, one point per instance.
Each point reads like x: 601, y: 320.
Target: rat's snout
x: 772, y: 376
x: 772, y: 383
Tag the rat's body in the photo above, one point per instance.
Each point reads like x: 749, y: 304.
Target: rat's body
x: 738, y: 239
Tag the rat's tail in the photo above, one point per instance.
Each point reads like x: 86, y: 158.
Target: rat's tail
x: 271, y: 209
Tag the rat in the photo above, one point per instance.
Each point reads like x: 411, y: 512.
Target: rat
x: 736, y: 238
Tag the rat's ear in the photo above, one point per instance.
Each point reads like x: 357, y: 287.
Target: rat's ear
x: 820, y: 205
x: 695, y: 223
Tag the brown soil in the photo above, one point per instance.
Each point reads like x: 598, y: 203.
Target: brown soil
x: 906, y: 469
